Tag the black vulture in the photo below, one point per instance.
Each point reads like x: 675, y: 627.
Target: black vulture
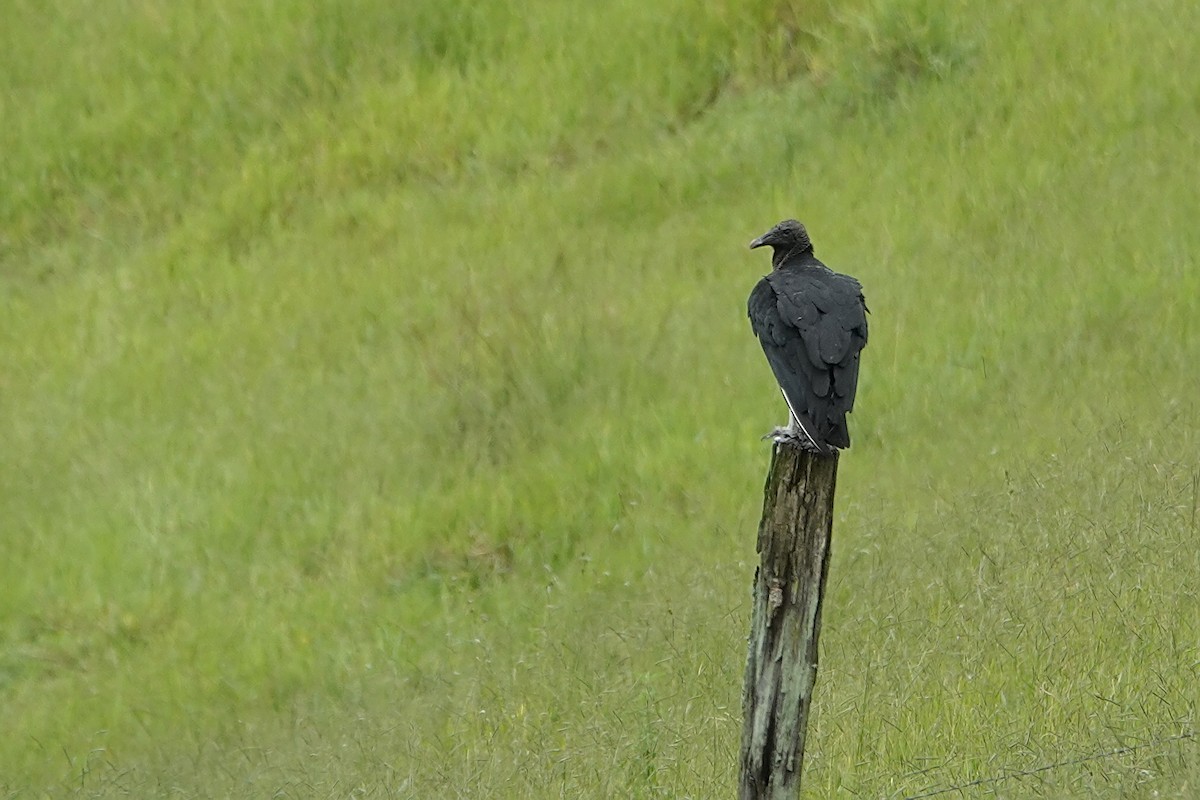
x: 812, y: 323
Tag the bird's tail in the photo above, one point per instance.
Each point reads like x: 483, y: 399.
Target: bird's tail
x: 839, y: 435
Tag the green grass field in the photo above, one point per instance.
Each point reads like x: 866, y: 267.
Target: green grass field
x: 380, y: 417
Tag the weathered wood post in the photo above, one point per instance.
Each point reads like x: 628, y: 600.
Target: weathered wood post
x: 781, y: 667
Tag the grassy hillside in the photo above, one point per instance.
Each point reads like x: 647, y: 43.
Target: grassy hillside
x: 380, y: 417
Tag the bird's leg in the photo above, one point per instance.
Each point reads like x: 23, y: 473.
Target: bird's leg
x: 780, y: 434
x: 805, y: 444
x: 789, y: 433
x: 793, y: 434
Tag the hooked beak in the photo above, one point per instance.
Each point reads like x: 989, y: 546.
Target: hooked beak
x: 760, y: 241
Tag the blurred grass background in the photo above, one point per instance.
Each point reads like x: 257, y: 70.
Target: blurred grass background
x: 380, y: 417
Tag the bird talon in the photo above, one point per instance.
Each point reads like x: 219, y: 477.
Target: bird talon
x: 780, y: 435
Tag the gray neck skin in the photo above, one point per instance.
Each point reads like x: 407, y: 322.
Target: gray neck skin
x: 784, y: 253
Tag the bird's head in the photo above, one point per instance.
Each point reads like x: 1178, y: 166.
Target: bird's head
x: 787, y: 237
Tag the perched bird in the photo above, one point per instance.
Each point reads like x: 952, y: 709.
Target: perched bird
x: 812, y: 323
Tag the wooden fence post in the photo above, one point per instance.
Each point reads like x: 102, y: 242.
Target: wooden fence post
x: 781, y: 666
